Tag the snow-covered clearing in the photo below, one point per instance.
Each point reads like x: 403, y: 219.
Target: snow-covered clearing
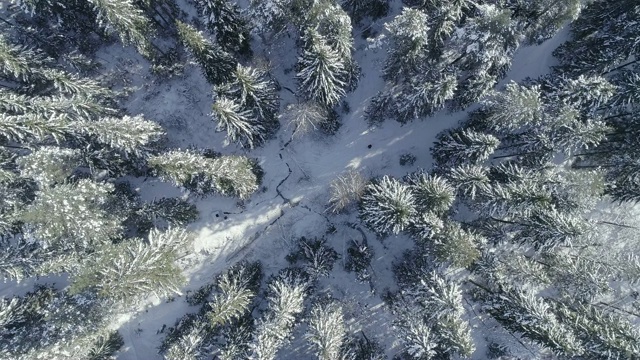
x: 293, y: 200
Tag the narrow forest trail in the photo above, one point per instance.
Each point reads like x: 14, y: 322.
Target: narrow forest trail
x: 296, y: 182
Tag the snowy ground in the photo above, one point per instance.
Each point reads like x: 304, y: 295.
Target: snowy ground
x: 265, y: 225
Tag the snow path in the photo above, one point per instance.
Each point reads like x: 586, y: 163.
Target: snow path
x: 296, y: 191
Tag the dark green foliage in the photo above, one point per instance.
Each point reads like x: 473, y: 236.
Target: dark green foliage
x: 217, y: 65
x: 106, y: 346
x: 316, y: 256
x: 359, y: 256
x: 224, y: 19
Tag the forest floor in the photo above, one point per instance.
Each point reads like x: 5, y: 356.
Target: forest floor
x: 293, y: 200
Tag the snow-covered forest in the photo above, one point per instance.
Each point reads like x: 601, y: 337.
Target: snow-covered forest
x: 319, y: 179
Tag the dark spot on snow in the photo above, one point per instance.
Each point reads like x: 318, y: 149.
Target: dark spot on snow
x: 226, y: 217
x: 280, y: 156
x: 369, y: 146
x: 217, y: 215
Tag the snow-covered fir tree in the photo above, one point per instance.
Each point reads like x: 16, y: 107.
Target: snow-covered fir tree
x: 128, y: 20
x: 240, y: 124
x: 431, y: 193
x: 217, y: 65
x: 408, y: 51
x: 327, y: 331
x: 322, y: 71
x: 228, y: 175
x: 387, y: 206
x: 130, y: 269
x: 224, y: 19
x: 286, y: 301
x: 461, y: 146
x: 255, y: 90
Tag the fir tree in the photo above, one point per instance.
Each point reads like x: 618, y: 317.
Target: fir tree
x: 240, y: 124
x: 410, y: 41
x: 228, y: 175
x: 132, y: 135
x: 285, y: 302
x: 216, y: 64
x: 327, y: 332
x: 224, y: 19
x: 359, y: 9
x: 322, y: 70
x: 83, y: 222
x: 50, y: 165
x: 457, y: 147
x: 387, y: 206
x: 129, y: 21
x: 127, y: 270
x: 255, y: 91
x: 522, y: 311
x: 432, y: 193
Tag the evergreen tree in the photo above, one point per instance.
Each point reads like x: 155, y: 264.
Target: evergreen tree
x: 603, y: 38
x: 359, y: 9
x: 540, y: 20
x: 233, y: 298
x: 217, y: 65
x: 132, y: 135
x: 132, y: 268
x: 327, y: 332
x: 457, y: 246
x: 255, y: 91
x: 129, y: 22
x: 432, y: 193
x: 286, y: 301
x: 409, y: 45
x: 228, y: 175
x: 240, y: 124
x: 322, y: 70
x: 224, y: 19
x: 522, y: 311
x: 50, y: 324
x: 460, y: 146
x: 387, y: 206
x: 84, y: 222
x: 50, y: 165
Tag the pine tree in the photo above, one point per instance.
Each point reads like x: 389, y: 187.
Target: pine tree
x: 306, y: 117
x: 233, y: 298
x: 409, y: 45
x: 327, y: 332
x: 423, y: 94
x: 542, y: 19
x: 129, y: 22
x: 522, y: 311
x: 239, y: 123
x: 255, y: 91
x: 432, y: 193
x: 15, y: 61
x: 228, y: 175
x: 460, y: 146
x: 285, y: 303
x: 322, y: 70
x: 132, y: 135
x: 217, y: 65
x: 224, y: 19
x: 515, y: 107
x: 86, y: 221
x: 49, y: 165
x: 359, y: 9
x: 470, y: 180
x: 387, y: 206
x: 457, y: 246
x: 603, y: 38
x: 51, y: 324
x: 133, y: 268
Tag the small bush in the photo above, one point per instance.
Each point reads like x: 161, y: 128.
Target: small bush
x: 346, y: 190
